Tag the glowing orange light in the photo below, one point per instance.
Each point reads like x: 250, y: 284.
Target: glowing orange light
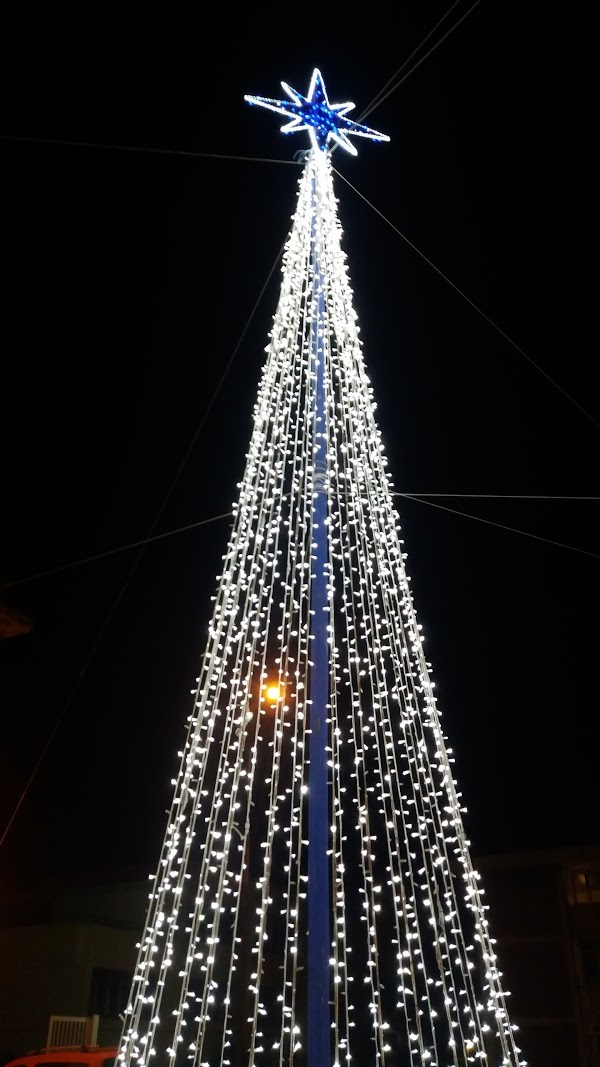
x: 273, y: 693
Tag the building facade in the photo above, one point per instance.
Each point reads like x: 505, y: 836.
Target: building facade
x: 68, y: 948
x: 545, y: 915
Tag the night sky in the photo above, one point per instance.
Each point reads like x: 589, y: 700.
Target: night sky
x: 130, y: 278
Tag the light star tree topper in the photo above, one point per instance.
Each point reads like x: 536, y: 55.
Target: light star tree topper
x: 315, y: 114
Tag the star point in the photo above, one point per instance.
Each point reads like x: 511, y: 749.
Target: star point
x: 314, y: 113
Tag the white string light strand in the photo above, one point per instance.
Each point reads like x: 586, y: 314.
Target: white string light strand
x: 221, y: 971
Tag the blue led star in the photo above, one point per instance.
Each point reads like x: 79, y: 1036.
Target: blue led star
x: 315, y: 114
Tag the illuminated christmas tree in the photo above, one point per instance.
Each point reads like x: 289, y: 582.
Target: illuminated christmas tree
x: 315, y: 900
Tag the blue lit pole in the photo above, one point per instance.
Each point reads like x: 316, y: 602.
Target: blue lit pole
x: 319, y: 1024
x: 323, y: 121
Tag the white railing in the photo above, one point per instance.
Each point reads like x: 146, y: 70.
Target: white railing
x: 70, y: 1030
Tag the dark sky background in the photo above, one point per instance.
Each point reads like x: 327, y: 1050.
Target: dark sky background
x: 129, y: 278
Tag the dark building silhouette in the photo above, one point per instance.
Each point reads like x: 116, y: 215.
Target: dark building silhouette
x: 67, y: 947
x: 545, y: 914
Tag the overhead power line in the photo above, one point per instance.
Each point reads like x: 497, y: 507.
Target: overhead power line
x: 147, y: 149
x: 500, y: 526
x: 73, y: 564
x: 502, y: 496
x: 472, y: 303
x: 394, y: 84
x: 112, y: 552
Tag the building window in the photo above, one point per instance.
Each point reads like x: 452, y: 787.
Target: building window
x: 109, y: 992
x: 586, y: 885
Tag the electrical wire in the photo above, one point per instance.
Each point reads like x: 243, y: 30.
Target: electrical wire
x: 379, y: 99
x: 112, y: 552
x: 376, y: 99
x: 391, y: 85
x: 297, y: 162
x: 62, y: 567
x: 121, y: 593
x: 501, y: 526
x: 217, y: 390
x: 501, y: 496
x: 470, y: 302
x: 143, y: 148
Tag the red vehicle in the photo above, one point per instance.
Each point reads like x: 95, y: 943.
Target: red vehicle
x: 67, y: 1056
